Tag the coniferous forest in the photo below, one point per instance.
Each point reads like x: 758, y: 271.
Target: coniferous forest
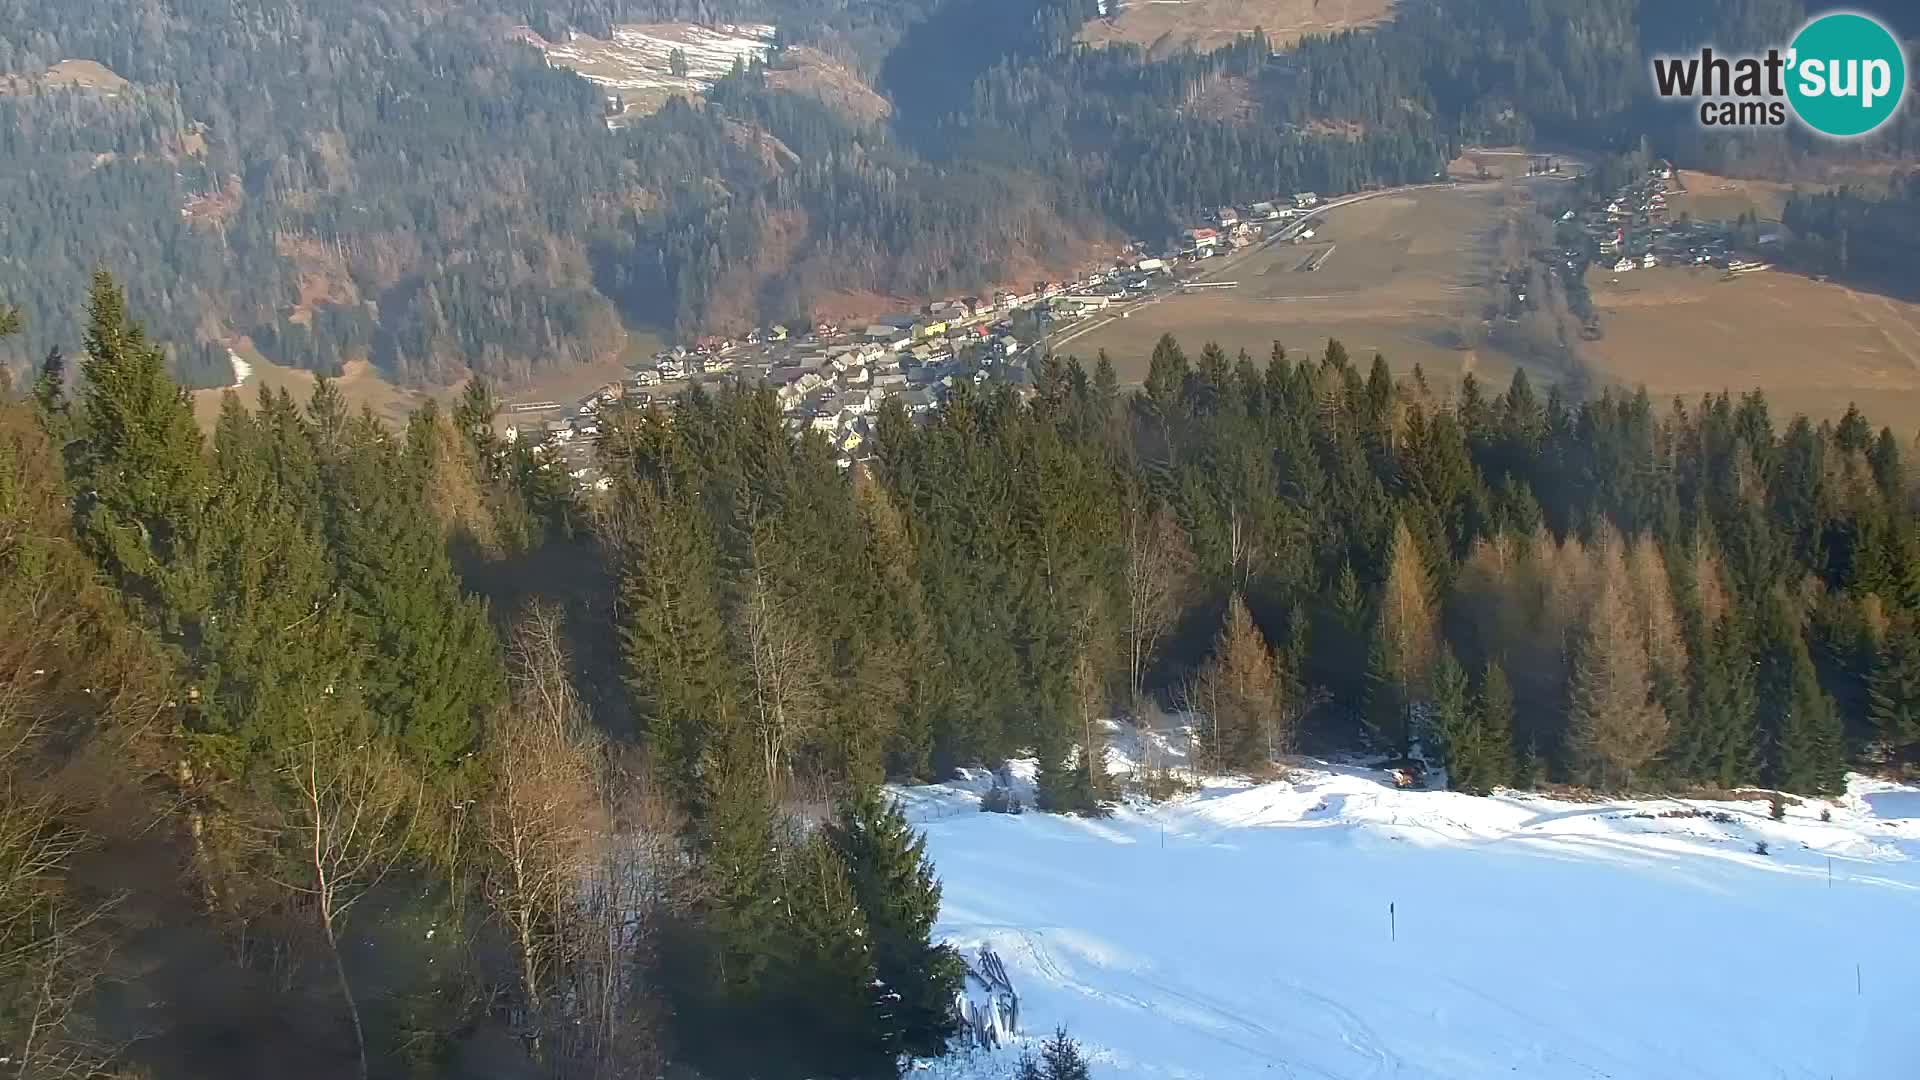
x: 333, y: 750
x: 411, y: 185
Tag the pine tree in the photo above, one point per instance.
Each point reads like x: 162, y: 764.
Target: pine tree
x: 893, y: 880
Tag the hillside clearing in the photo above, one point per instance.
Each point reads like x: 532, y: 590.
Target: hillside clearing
x: 1246, y: 931
x: 1166, y: 26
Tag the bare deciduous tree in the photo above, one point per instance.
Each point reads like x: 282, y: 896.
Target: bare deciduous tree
x: 1158, y: 562
x: 541, y: 821
x: 347, y: 813
x: 787, y: 680
x: 580, y: 863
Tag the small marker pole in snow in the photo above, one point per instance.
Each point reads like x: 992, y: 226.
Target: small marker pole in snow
x: 1829, y: 871
x: 1856, y: 980
x: 1393, y: 923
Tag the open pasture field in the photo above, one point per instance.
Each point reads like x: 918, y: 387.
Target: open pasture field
x: 1814, y: 347
x: 362, y: 384
x: 1399, y: 276
x: 1166, y: 26
x: 1394, y: 275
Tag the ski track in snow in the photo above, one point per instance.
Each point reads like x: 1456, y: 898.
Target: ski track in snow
x: 1242, y: 931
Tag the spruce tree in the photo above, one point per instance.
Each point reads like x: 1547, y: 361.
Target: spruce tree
x: 739, y: 870
x: 271, y: 640
x: 141, y: 473
x: 1062, y: 1057
x: 1494, y: 723
x: 432, y: 667
x: 1810, y: 753
x: 1451, y: 724
x: 1893, y: 696
x: 829, y: 999
x: 893, y: 880
x: 672, y: 640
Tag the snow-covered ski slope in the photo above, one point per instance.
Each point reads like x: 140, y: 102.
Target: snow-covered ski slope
x: 1244, y: 932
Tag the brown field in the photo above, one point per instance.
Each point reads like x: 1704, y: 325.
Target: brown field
x: 361, y: 383
x: 66, y: 75
x: 1401, y: 272
x: 809, y: 71
x: 365, y: 385
x: 1718, y: 198
x: 1814, y: 347
x: 1406, y: 269
x: 1166, y: 26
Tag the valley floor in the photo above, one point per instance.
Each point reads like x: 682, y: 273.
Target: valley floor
x: 1332, y: 926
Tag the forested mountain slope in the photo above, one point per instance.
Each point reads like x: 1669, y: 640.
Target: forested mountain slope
x: 336, y: 751
x: 411, y: 183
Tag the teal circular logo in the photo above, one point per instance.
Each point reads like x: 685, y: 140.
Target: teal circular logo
x: 1847, y: 74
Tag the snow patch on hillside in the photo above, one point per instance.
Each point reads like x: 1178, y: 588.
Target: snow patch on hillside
x: 242, y: 371
x: 1333, y: 926
x: 639, y: 57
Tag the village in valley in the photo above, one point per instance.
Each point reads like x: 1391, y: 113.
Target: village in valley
x: 832, y: 379
x: 1632, y: 228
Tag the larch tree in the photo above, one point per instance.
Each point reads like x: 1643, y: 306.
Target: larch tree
x: 1654, y: 612
x: 1406, y: 642
x: 1238, y: 690
x: 1615, y: 726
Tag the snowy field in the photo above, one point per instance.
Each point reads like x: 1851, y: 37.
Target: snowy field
x: 1244, y: 932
